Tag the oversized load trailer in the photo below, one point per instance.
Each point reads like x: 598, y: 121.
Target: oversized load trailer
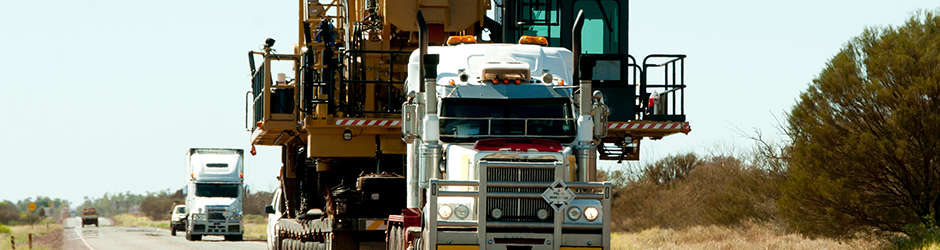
x: 387, y: 142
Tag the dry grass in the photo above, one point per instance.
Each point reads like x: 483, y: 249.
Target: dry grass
x: 43, y: 237
x: 748, y: 236
x: 253, y: 229
x: 128, y: 220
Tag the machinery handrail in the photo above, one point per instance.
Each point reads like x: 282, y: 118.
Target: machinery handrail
x: 673, y: 86
x: 394, y: 97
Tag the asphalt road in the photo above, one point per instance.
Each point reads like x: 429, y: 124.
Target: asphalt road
x: 109, y: 237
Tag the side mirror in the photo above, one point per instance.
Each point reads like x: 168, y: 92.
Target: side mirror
x: 599, y: 112
x: 185, y: 189
x: 409, y: 122
x: 269, y: 209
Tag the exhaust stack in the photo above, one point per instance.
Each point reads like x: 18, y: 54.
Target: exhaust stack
x: 585, y: 151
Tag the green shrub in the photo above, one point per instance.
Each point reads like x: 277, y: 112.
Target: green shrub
x: 4, y: 229
x: 717, y: 190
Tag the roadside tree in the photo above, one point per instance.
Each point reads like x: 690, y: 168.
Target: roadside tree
x: 866, y: 136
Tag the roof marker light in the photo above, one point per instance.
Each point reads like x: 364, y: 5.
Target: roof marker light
x: 533, y: 40
x: 452, y: 40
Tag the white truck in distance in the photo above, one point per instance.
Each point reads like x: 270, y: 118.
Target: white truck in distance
x: 214, y: 192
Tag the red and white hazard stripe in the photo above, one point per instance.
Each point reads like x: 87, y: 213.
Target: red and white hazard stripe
x: 367, y: 122
x: 648, y: 125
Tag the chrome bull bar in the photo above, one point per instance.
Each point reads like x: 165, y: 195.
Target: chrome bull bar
x: 478, y: 189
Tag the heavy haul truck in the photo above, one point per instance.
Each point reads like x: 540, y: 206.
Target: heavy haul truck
x: 429, y: 124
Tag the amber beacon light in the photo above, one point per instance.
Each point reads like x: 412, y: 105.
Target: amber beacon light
x: 533, y: 40
x: 461, y: 39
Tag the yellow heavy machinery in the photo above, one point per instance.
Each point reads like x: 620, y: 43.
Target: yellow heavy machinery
x: 363, y: 118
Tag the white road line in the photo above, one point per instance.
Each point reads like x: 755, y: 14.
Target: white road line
x: 82, y: 236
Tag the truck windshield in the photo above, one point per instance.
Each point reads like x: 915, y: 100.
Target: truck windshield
x: 217, y: 190
x: 181, y: 210
x: 470, y: 119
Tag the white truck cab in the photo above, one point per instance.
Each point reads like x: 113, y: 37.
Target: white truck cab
x: 214, y: 192
x: 504, y: 145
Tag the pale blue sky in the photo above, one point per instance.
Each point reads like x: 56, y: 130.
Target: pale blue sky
x: 107, y: 96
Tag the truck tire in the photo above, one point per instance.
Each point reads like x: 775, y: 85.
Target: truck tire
x: 191, y: 237
x: 173, y: 231
x: 233, y: 237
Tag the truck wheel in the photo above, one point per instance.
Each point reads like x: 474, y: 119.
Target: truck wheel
x: 173, y: 231
x: 233, y: 237
x: 191, y: 237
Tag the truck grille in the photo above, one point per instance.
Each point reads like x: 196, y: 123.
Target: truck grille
x: 519, y: 209
x: 216, y: 214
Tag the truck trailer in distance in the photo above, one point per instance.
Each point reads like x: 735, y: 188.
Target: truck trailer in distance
x: 89, y: 216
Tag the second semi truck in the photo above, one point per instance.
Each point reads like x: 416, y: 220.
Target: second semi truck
x: 215, y: 188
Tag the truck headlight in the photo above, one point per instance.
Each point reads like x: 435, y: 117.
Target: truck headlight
x: 496, y: 213
x: 199, y: 217
x: 543, y: 214
x: 462, y: 211
x: 574, y: 213
x: 175, y: 219
x: 445, y: 211
x: 236, y: 217
x: 590, y: 213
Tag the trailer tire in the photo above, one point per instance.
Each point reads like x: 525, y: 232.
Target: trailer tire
x: 288, y: 244
x: 395, y: 241
x: 282, y: 245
